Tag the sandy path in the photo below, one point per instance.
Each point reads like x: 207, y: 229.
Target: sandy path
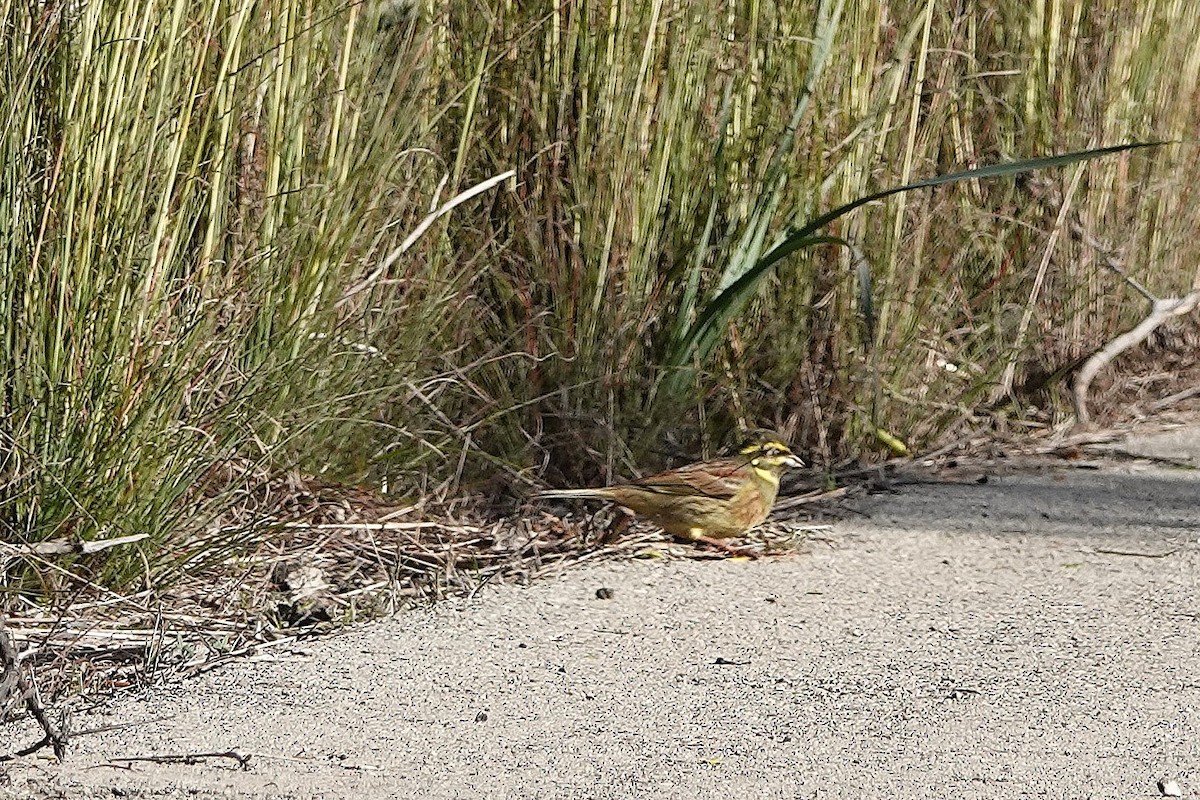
x: 952, y: 641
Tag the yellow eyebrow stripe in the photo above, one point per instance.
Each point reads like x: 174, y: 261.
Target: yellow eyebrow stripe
x: 759, y: 446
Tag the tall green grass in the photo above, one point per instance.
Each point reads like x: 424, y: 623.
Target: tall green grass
x: 196, y: 201
x: 666, y: 144
x: 207, y: 278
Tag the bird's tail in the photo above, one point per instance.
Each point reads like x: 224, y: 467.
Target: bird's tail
x: 573, y: 494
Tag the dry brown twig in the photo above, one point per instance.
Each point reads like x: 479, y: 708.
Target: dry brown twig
x: 1178, y: 397
x: 26, y: 692
x: 243, y: 759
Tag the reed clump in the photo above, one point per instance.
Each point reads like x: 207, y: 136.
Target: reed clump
x: 246, y: 240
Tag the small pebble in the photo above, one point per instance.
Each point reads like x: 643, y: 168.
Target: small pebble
x: 1170, y: 788
x: 604, y: 593
x: 481, y: 716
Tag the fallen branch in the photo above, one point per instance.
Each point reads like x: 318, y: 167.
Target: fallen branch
x: 1178, y: 397
x: 243, y: 759
x: 12, y: 678
x: 1160, y: 312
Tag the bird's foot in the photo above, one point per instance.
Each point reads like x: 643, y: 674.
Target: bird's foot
x: 736, y: 552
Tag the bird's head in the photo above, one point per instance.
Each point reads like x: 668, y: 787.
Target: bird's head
x: 766, y: 450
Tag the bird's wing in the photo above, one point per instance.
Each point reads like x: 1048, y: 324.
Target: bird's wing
x: 719, y: 479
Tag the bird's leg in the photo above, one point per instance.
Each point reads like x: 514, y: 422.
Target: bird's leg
x: 742, y: 552
x: 619, y: 524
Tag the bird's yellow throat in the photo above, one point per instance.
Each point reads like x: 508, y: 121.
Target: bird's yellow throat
x: 765, y: 474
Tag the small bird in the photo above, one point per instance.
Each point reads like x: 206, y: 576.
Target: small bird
x: 706, y: 501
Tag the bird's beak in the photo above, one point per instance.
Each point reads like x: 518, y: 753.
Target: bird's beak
x: 793, y: 461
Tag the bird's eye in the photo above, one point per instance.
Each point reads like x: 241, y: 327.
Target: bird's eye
x: 771, y: 451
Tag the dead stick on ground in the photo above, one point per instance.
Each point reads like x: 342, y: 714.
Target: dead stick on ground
x: 119, y: 726
x: 1167, y: 402
x: 243, y: 759
x: 1133, y: 553
x: 1160, y: 312
x: 13, y: 677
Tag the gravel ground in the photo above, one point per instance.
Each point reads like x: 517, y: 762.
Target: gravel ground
x: 1038, y: 635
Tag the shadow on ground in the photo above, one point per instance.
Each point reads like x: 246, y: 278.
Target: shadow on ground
x: 1062, y: 501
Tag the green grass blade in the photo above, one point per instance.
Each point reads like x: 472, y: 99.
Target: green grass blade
x: 727, y: 304
x: 704, y: 335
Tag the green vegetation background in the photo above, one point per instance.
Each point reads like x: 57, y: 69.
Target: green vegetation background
x: 210, y: 276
